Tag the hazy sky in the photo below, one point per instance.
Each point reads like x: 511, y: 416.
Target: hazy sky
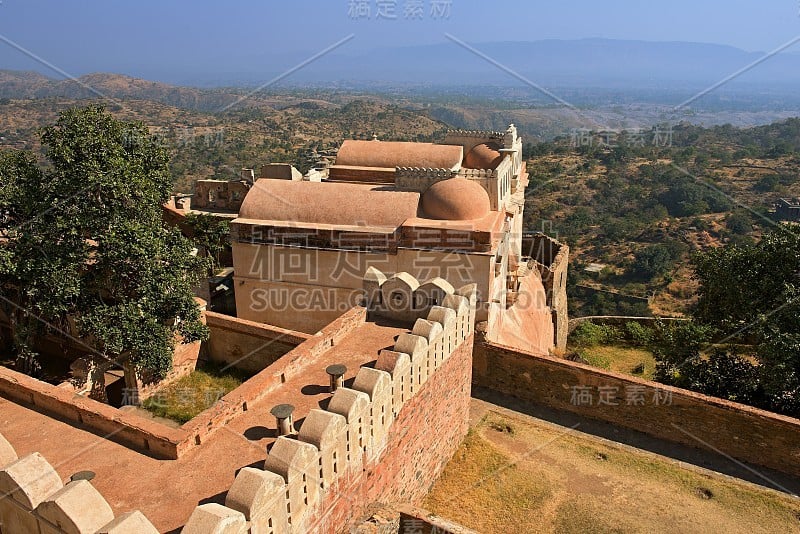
x: 148, y: 37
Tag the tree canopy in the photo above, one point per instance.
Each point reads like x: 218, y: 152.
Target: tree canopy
x: 84, y: 244
x: 749, y: 298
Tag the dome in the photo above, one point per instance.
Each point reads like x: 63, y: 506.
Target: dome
x: 390, y: 154
x: 483, y: 156
x: 339, y: 204
x: 455, y: 199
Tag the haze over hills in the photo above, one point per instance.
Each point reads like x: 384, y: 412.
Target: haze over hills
x: 30, y: 85
x: 584, y: 62
x: 592, y: 62
x: 614, y: 83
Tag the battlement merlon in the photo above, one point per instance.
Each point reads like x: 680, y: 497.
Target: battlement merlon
x: 302, y: 473
x: 509, y: 139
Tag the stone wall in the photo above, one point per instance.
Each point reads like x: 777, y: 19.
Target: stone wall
x: 219, y: 194
x: 386, y: 438
x: 34, y: 500
x: 247, y: 345
x: 742, y: 432
x: 551, y: 258
x: 102, y: 419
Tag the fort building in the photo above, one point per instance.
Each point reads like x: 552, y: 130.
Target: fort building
x: 788, y: 209
x: 370, y: 299
x: 450, y: 211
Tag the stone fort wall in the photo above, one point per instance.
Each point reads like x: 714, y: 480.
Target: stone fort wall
x: 33, y: 499
x: 665, y: 412
x: 386, y: 438
x: 551, y: 258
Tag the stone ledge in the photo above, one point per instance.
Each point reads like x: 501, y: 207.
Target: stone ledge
x: 130, y: 430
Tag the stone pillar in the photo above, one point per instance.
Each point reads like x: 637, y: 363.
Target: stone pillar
x: 336, y: 373
x: 283, y: 419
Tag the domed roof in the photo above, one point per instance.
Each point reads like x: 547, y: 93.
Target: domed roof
x: 340, y: 204
x: 483, y: 156
x: 389, y: 154
x: 455, y: 199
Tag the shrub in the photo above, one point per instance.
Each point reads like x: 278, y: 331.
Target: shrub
x: 638, y: 334
x: 588, y: 334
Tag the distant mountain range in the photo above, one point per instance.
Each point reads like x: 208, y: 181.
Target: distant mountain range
x: 585, y: 63
x: 28, y: 84
x: 591, y: 73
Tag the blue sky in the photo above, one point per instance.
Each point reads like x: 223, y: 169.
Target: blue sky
x: 161, y: 38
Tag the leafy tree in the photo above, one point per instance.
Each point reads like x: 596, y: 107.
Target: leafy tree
x: 211, y: 235
x: 767, y: 183
x: 748, y: 295
x: 739, y: 222
x: 657, y: 260
x: 685, y: 198
x: 85, y: 249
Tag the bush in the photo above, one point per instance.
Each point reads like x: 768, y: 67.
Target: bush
x: 739, y: 223
x: 725, y: 375
x: 638, y: 334
x: 588, y: 334
x: 767, y: 183
x: 656, y: 260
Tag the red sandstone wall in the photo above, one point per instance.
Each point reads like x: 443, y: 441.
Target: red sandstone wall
x: 743, y: 432
x: 423, y: 438
x: 155, y: 438
x: 248, y: 345
x: 105, y: 420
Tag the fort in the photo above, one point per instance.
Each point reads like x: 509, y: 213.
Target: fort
x: 370, y: 299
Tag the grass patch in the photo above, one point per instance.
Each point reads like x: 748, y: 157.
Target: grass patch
x: 481, y: 486
x: 627, y: 360
x: 194, y: 393
x: 539, y: 479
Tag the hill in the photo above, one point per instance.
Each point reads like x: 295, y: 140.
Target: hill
x: 641, y: 211
x: 30, y: 85
x: 290, y: 128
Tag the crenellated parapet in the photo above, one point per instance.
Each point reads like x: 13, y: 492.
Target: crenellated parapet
x: 334, y: 445
x: 423, y: 172
x: 34, y: 500
x: 478, y: 174
x: 419, y: 178
x: 478, y: 134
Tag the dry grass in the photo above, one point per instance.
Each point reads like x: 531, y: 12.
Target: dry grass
x: 535, y: 478
x: 192, y: 394
x: 632, y: 361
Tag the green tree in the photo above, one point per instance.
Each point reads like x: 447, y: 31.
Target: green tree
x: 751, y: 293
x: 85, y: 248
x: 211, y: 235
x: 739, y: 222
x: 657, y: 260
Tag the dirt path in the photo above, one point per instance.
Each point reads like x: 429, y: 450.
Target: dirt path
x: 518, y: 474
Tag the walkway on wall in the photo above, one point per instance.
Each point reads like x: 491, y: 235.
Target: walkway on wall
x: 484, y: 399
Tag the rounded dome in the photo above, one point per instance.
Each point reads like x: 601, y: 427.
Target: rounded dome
x: 483, y: 156
x: 455, y: 199
x: 390, y: 154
